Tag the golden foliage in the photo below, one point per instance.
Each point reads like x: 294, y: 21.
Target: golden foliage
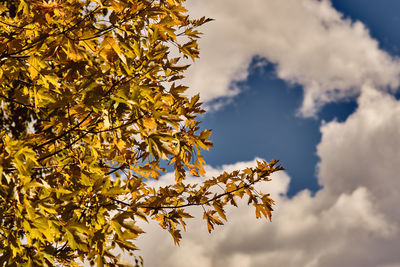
x: 87, y: 94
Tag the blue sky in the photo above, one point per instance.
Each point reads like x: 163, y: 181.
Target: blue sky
x: 261, y: 121
x: 316, y: 85
x: 381, y: 17
x: 283, y: 135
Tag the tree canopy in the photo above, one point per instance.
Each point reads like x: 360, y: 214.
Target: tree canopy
x: 90, y: 107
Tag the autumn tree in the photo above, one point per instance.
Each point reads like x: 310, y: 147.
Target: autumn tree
x: 90, y: 107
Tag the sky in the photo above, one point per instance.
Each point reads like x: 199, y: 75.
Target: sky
x: 315, y: 84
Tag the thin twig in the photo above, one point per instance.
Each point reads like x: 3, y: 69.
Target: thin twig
x: 43, y: 167
x: 190, y: 204
x: 64, y: 133
x: 117, y: 169
x: 17, y: 102
x: 62, y: 149
x: 117, y: 127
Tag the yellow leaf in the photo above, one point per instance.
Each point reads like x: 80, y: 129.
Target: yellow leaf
x: 194, y: 172
x: 149, y: 123
x: 218, y: 207
x: 33, y: 66
x: 73, y: 52
x: 114, y: 45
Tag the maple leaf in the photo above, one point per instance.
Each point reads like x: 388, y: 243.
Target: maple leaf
x: 88, y: 115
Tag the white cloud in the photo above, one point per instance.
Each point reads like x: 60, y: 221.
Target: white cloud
x: 352, y: 221
x: 364, y: 150
x: 198, y: 247
x: 309, y: 41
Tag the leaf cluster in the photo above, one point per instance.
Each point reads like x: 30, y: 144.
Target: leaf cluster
x: 89, y: 108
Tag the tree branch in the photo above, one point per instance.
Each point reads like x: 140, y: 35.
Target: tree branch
x: 116, y: 169
x: 190, y: 204
x: 16, y: 102
x: 62, y: 149
x: 43, y: 167
x: 64, y: 133
x: 116, y: 127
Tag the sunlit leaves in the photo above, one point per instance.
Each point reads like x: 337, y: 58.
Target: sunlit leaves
x: 90, y: 106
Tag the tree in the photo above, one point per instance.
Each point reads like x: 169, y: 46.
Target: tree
x: 89, y: 109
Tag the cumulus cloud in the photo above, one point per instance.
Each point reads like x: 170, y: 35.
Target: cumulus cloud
x: 309, y: 41
x: 352, y: 221
x: 198, y: 248
x: 364, y: 150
